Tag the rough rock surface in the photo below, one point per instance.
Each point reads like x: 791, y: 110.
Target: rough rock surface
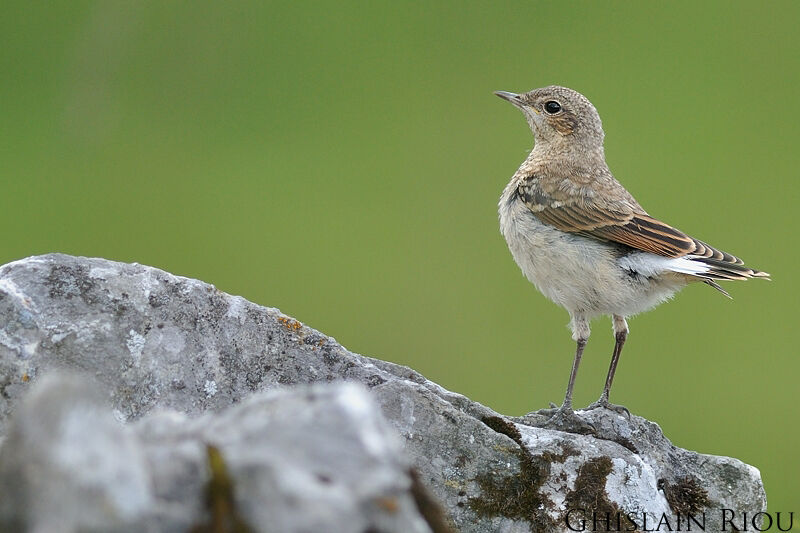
x: 314, y: 458
x: 151, y: 348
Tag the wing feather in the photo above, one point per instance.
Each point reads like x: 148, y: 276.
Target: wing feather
x: 625, y: 222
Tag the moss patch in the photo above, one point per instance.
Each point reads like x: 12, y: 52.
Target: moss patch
x: 220, y: 502
x: 589, y: 492
x: 590, y: 487
x: 685, y: 496
x: 501, y: 425
x: 518, y: 496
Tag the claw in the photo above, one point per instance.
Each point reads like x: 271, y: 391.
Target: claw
x: 605, y: 404
x: 565, y: 419
x: 552, y: 410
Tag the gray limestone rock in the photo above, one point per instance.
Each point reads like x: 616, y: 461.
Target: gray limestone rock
x: 313, y: 458
x: 67, y: 465
x: 170, y: 357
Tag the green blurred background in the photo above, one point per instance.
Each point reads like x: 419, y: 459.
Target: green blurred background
x: 343, y: 161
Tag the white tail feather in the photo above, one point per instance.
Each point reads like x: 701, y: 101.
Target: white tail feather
x: 648, y: 264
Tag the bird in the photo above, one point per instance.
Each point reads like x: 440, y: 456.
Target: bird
x: 583, y: 240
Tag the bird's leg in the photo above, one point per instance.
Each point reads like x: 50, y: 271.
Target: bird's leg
x: 573, y: 374
x: 564, y: 417
x: 620, y: 333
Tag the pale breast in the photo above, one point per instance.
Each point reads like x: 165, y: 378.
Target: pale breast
x: 580, y: 274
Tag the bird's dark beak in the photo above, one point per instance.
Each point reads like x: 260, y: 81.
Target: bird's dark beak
x: 514, y: 98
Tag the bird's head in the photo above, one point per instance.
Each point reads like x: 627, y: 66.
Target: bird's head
x: 559, y: 117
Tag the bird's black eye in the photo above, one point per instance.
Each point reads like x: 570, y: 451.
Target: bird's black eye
x: 552, y: 107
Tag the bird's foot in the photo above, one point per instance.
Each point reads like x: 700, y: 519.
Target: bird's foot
x: 605, y: 404
x: 548, y: 412
x: 565, y: 419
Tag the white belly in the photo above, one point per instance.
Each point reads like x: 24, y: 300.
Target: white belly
x: 578, y: 273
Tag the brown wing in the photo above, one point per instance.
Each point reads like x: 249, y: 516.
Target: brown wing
x: 645, y: 233
x: 617, y: 221
x: 623, y: 221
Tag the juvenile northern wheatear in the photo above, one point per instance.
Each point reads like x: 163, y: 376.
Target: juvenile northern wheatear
x: 583, y: 240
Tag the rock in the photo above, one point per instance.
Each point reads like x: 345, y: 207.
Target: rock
x: 67, y: 464
x: 148, y: 341
x: 313, y: 458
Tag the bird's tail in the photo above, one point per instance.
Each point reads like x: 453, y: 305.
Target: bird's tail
x: 720, y: 265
